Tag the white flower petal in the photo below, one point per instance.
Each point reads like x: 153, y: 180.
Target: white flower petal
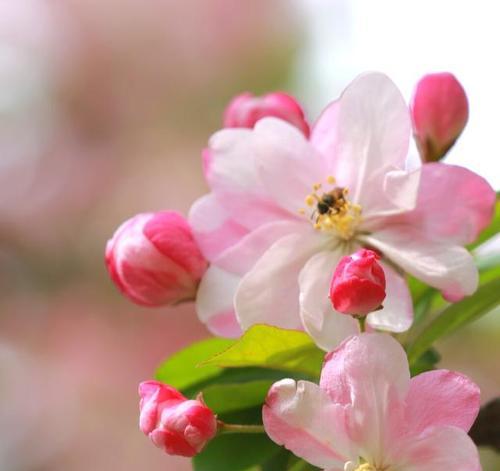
x: 326, y: 326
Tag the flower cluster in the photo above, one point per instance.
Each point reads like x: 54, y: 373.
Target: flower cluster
x: 315, y: 228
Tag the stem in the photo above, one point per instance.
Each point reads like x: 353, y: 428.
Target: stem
x: 238, y: 428
x: 362, y: 322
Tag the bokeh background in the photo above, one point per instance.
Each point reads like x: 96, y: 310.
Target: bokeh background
x: 104, y: 108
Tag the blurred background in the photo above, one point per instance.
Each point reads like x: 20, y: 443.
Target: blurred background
x: 105, y: 106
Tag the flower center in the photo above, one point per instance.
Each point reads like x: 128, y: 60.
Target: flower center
x: 332, y: 211
x: 350, y: 466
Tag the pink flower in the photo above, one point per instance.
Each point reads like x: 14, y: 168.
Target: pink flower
x: 285, y: 209
x: 368, y: 415
x: 358, y: 284
x: 440, y: 111
x: 175, y: 424
x: 154, y: 260
x: 246, y: 109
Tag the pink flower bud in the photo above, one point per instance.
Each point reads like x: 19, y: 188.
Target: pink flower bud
x: 358, y: 284
x: 246, y: 109
x: 154, y: 260
x: 440, y: 111
x: 175, y: 424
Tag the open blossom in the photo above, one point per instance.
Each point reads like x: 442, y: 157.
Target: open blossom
x: 368, y: 415
x: 246, y: 109
x: 440, y: 110
x: 358, y: 284
x: 285, y: 209
x: 175, y: 424
x: 154, y: 260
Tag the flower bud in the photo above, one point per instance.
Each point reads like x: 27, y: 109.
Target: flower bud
x: 358, y: 284
x: 175, y: 424
x: 439, y: 111
x: 246, y: 109
x: 154, y: 260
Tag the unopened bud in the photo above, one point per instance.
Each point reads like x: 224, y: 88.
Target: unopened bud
x: 154, y: 260
x: 439, y: 111
x: 175, y: 424
x: 358, y: 284
x: 246, y: 109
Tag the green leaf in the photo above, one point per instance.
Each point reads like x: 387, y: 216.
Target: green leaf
x: 426, y: 362
x: 235, y: 452
x: 455, y: 316
x: 181, y: 369
x: 270, y: 347
x: 223, y: 398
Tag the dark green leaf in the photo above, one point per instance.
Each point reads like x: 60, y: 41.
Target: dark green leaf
x: 426, y: 362
x: 455, y: 316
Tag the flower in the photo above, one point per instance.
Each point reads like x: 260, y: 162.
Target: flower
x: 246, y: 109
x: 440, y: 111
x: 154, y: 260
x: 368, y: 415
x: 358, y: 284
x: 173, y: 423
x: 272, y: 244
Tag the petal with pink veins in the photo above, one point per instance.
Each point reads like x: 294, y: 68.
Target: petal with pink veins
x: 234, y: 180
x: 454, y: 204
x: 269, y: 293
x: 441, y: 397
x: 439, y: 448
x: 300, y: 416
x: 241, y: 257
x: 212, y: 226
x: 288, y: 166
x: 369, y: 371
x: 326, y: 326
x: 324, y: 135
x: 373, y: 132
x: 397, y: 312
x: 449, y: 268
x: 214, y: 302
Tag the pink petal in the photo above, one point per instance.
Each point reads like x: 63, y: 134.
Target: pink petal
x: 287, y: 164
x: 441, y: 398
x: 301, y: 417
x: 235, y: 182
x: 214, y: 302
x: 324, y: 136
x: 212, y: 226
x: 449, y: 268
x: 373, y: 131
x: 397, y: 312
x: 369, y: 371
x: 241, y: 257
x: 269, y: 293
x: 454, y: 204
x: 326, y: 326
x: 440, y: 448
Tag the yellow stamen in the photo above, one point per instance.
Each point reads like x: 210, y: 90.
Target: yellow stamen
x: 310, y: 200
x: 330, y: 180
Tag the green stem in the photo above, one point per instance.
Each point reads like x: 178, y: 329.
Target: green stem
x: 362, y: 323
x: 239, y: 428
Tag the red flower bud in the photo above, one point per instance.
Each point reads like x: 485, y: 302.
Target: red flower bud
x: 175, y: 424
x: 358, y: 284
x: 440, y: 111
x: 246, y: 109
x: 154, y: 260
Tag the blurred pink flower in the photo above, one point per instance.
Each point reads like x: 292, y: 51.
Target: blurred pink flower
x: 153, y: 259
x: 440, y: 110
x: 358, y: 284
x: 368, y: 415
x: 175, y: 424
x: 272, y: 243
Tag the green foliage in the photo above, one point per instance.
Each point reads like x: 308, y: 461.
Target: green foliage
x: 270, y: 347
x: 455, y: 316
x: 426, y: 362
x: 236, y: 452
